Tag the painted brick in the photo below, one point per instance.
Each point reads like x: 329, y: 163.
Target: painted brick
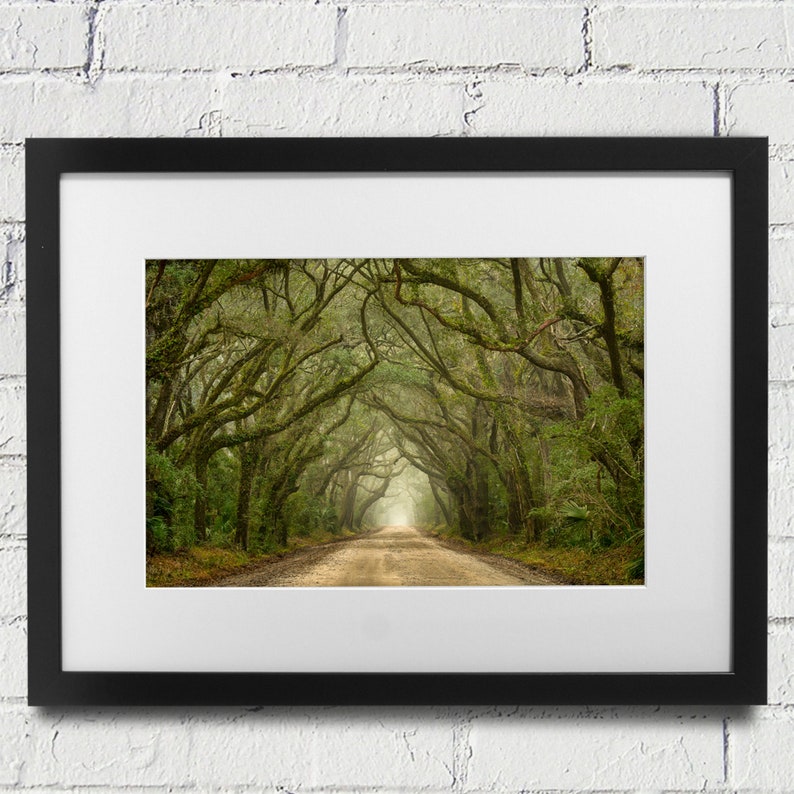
x: 781, y: 460
x: 271, y: 106
x: 13, y: 660
x: 14, y: 741
x: 781, y: 498
x: 762, y: 109
x: 13, y: 435
x: 406, y: 35
x: 402, y: 750
x: 12, y: 501
x: 781, y: 343
x: 43, y: 36
x: 14, y: 281
x: 12, y: 265
x: 680, y: 37
x: 781, y: 435
x: 781, y: 270
x: 624, y: 751
x: 781, y: 579
x: 288, y: 748
x: 761, y: 751
x: 13, y: 581
x: 781, y: 665
x: 220, y: 36
x: 246, y: 748
x: 12, y: 185
x: 588, y: 108
x: 114, y: 749
x: 116, y: 105
x: 12, y: 332
x: 781, y: 192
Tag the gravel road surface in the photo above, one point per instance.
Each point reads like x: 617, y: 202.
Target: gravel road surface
x: 390, y: 556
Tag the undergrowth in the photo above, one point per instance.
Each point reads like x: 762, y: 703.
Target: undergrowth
x: 201, y: 565
x: 615, y: 565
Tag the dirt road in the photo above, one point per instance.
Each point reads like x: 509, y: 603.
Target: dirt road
x: 390, y: 556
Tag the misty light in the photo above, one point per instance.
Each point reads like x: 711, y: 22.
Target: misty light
x: 401, y: 513
x: 399, y: 506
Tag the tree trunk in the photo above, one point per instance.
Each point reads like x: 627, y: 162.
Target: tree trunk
x: 475, y: 502
x: 347, y: 512
x: 280, y: 527
x: 609, y: 333
x: 518, y: 294
x: 481, y: 524
x: 156, y: 422
x: 465, y: 517
x: 477, y: 474
x: 200, y: 505
x: 379, y: 493
x: 248, y: 460
x: 515, y: 507
x: 440, y: 505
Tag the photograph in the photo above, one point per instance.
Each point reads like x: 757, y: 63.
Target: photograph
x: 376, y: 422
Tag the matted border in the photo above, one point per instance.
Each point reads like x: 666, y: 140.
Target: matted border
x: 745, y: 158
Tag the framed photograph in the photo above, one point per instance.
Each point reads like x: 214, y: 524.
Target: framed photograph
x: 397, y: 421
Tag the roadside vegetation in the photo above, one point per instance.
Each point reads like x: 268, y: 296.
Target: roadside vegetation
x: 205, y: 564
x: 573, y: 564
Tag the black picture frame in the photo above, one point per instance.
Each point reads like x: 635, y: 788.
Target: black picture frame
x: 745, y: 158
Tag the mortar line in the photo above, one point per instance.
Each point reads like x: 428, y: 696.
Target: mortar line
x: 727, y: 770
x: 461, y: 753
x: 587, y: 38
x: 340, y: 40
x: 92, y: 68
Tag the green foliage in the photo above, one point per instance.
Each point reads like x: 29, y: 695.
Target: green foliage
x: 636, y: 568
x: 575, y: 515
x: 306, y: 515
x: 169, y: 491
x: 222, y: 478
x: 159, y: 537
x: 576, y: 522
x: 392, y: 374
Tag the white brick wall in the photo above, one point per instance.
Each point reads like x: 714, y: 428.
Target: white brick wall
x: 591, y: 107
x: 396, y: 67
x: 781, y: 192
x: 340, y: 749
x: 43, y: 36
x: 762, y: 106
x: 12, y: 185
x: 387, y: 36
x: 761, y: 748
x: 12, y: 415
x: 682, y: 37
x: 781, y: 276
x: 13, y: 744
x: 271, y: 105
x: 152, y: 37
x: 104, y: 747
x: 557, y: 749
x: 13, y: 581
